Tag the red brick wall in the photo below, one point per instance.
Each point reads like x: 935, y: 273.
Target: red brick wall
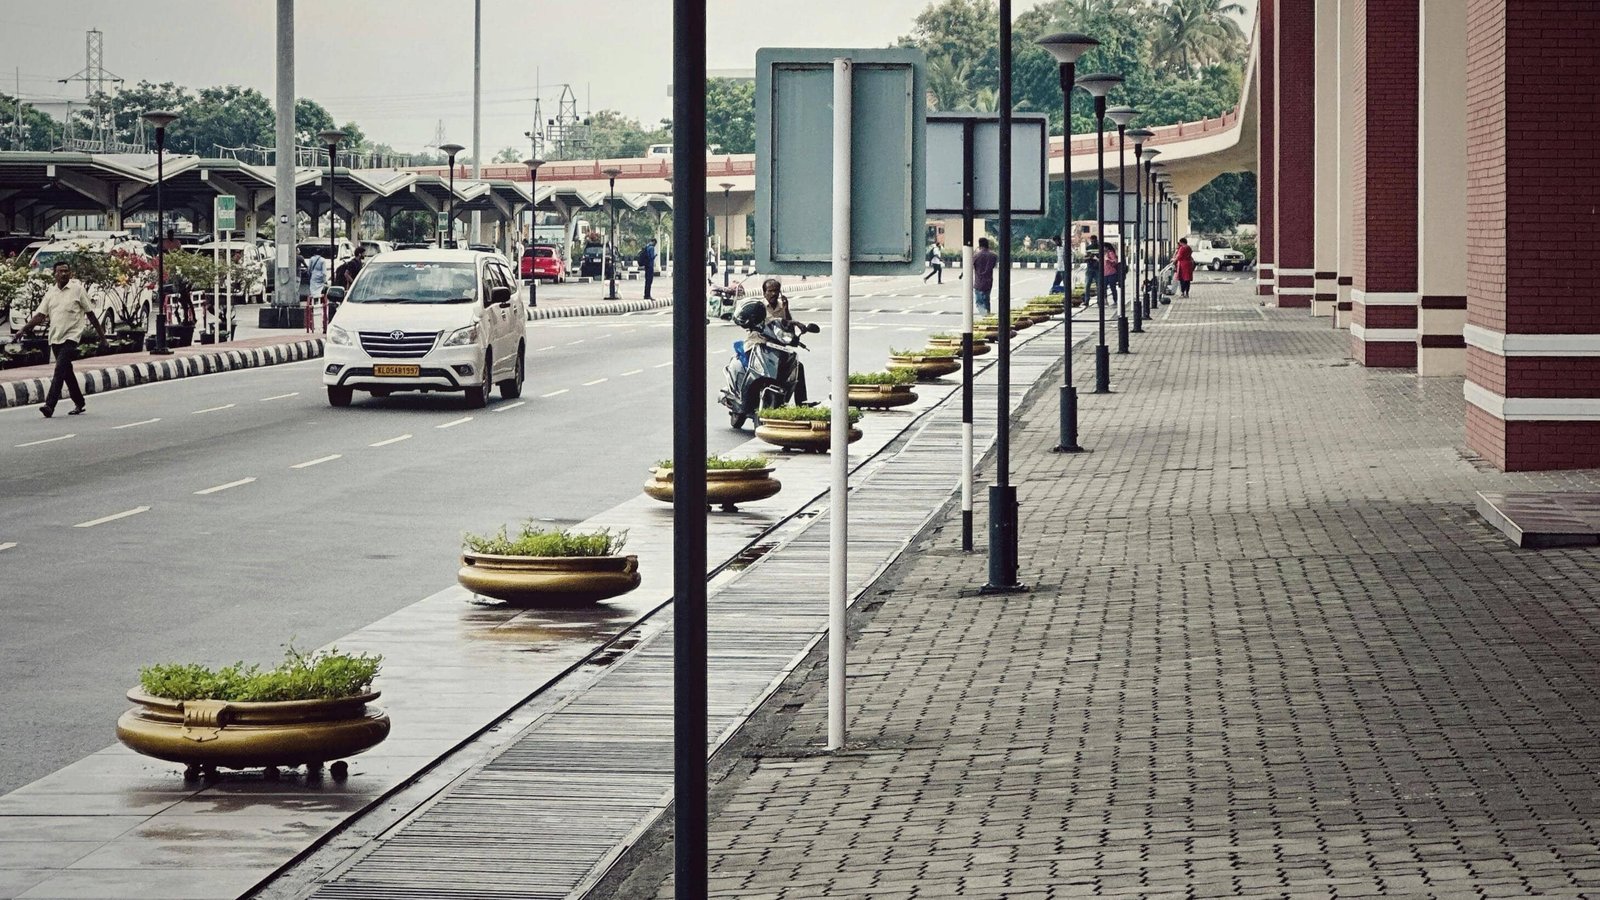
x: 1266, y: 137
x: 1384, y: 316
x: 1486, y: 160
x: 1486, y: 369
x: 1385, y: 161
x: 1296, y: 125
x: 1384, y: 354
x: 1533, y: 446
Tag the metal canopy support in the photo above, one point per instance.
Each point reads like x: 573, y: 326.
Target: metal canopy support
x: 286, y: 284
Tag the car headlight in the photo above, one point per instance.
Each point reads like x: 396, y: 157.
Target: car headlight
x: 462, y: 337
x: 338, y: 336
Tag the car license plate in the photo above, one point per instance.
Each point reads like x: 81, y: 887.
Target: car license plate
x: 397, y: 371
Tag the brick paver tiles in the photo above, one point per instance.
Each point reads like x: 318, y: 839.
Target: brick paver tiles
x: 1271, y: 650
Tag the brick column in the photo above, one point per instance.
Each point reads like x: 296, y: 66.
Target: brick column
x: 1383, y: 297
x: 1266, y: 149
x: 1533, y: 201
x: 1442, y: 188
x: 1294, y: 263
x: 1326, y: 251
x: 1347, y: 194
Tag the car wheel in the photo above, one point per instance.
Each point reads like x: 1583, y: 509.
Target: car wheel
x: 511, y: 389
x: 478, y: 394
x: 340, y: 396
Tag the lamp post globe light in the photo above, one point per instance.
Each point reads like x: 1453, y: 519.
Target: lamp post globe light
x: 726, y: 186
x: 1122, y: 115
x: 533, y: 165
x: 1097, y: 86
x: 331, y: 139
x: 1138, y: 136
x: 1067, y: 47
x: 611, y: 175
x: 1148, y: 205
x: 449, y: 240
x: 160, y: 119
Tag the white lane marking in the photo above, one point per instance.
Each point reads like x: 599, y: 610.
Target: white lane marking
x: 553, y: 394
x: 578, y: 341
x: 393, y: 440
x: 8, y: 545
x: 553, y: 346
x: 665, y: 364
x: 594, y: 382
x: 316, y: 462
x: 914, y: 328
x: 280, y: 396
x: 863, y: 328
x: 601, y: 336
x: 504, y: 407
x: 634, y: 372
x: 112, y: 518
x: 223, y: 487
x: 134, y: 424
x: 454, y: 422
x: 214, y: 409
x: 46, y: 440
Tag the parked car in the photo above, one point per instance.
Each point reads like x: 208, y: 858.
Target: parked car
x: 43, y: 255
x: 373, y: 248
x: 428, y: 320
x: 1215, y: 254
x: 544, y: 262
x: 249, y: 256
x: 12, y: 244
x: 597, y: 262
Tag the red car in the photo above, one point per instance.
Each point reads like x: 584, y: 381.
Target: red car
x: 543, y: 262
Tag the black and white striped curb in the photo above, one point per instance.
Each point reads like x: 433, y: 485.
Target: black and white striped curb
x: 613, y: 308
x: 98, y: 381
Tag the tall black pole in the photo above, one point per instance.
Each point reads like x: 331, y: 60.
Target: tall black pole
x: 533, y: 236
x: 1154, y: 275
x: 689, y: 448
x: 1122, y: 264
x: 1102, y: 353
x: 616, y: 249
x: 161, y: 244
x: 1068, y: 440
x: 969, y: 129
x: 726, y: 274
x: 333, y: 218
x: 1002, y: 496
x: 1138, y: 246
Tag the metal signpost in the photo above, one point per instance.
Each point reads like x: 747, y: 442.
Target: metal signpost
x: 963, y: 177
x: 814, y: 109
x: 224, y: 222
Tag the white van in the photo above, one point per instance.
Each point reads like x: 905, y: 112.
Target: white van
x: 428, y: 320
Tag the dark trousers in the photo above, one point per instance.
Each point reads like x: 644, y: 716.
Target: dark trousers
x: 649, y: 276
x: 65, y: 352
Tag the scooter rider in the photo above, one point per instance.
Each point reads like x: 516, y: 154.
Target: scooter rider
x: 777, y: 310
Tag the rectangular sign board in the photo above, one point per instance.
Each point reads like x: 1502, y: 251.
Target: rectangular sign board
x: 1130, y: 206
x: 225, y: 213
x: 1029, y: 179
x: 794, y: 160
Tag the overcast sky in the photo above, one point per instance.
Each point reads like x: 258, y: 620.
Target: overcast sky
x: 398, y: 67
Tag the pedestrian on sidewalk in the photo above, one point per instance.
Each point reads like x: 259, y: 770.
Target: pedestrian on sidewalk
x: 1093, y: 284
x: 647, y: 262
x: 1183, y: 264
x: 316, y: 275
x: 983, y: 263
x: 1111, y: 273
x: 935, y: 263
x: 67, y: 308
x: 1063, y: 283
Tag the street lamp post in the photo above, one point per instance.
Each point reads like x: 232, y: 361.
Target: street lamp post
x: 726, y: 186
x: 160, y: 119
x: 331, y: 138
x: 612, y: 174
x: 1153, y: 270
x: 1122, y: 115
x: 1067, y: 47
x: 533, y: 164
x: 1169, y: 235
x: 449, y: 240
x: 1138, y: 136
x: 1098, y: 86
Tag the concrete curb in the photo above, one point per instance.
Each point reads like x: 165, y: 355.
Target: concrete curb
x: 613, y: 308
x: 98, y: 381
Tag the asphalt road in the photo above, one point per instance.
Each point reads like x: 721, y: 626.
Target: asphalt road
x: 220, y: 518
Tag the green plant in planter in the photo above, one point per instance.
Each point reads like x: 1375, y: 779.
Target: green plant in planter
x: 533, y: 540
x: 896, y: 375
x: 806, y: 414
x: 716, y: 463
x: 329, y: 675
x: 928, y: 352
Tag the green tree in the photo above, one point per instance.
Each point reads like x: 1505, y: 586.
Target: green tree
x: 615, y: 136
x: 1220, y: 206
x: 1190, y: 34
x: 38, y: 132
x: 731, y: 114
x: 508, y: 155
x: 310, y: 119
x: 958, y: 37
x: 226, y: 116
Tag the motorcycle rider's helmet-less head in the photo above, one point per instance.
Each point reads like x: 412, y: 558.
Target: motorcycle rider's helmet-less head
x: 750, y: 314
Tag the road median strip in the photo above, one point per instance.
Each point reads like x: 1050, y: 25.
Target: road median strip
x: 30, y: 391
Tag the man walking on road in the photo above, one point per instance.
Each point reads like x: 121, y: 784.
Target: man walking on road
x: 66, y: 307
x: 647, y: 262
x: 983, y: 263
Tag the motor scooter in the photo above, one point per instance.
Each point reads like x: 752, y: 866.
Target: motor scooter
x: 762, y: 375
x: 721, y: 301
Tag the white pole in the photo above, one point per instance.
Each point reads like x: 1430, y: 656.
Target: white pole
x: 839, y: 530
x: 227, y: 325
x: 477, y: 112
x: 967, y: 301
x: 216, y: 286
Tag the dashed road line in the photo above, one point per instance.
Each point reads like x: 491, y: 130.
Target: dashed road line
x: 59, y: 437
x: 553, y: 394
x: 661, y: 365
x: 505, y: 406
x: 393, y: 440
x: 316, y: 462
x: 214, y: 409
x: 8, y: 545
x: 542, y: 349
x: 113, y: 517
x: 578, y: 341
x: 135, y: 424
x: 634, y: 372
x: 454, y: 422
x: 222, y: 487
x: 594, y: 382
x: 280, y: 396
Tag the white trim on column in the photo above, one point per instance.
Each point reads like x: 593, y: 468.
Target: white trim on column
x: 1532, y: 409
x: 1383, y: 335
x: 1385, y: 299
x: 1294, y: 272
x: 1297, y: 290
x: 1531, y: 344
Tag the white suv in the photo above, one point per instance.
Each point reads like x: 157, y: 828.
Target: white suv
x: 428, y: 320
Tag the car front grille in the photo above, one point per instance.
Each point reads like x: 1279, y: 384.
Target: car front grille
x: 398, y: 344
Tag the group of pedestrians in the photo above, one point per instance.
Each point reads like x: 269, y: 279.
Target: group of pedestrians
x: 1105, y: 272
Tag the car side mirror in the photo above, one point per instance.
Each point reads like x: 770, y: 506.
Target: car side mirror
x: 500, y: 294
x: 811, y: 328
x: 336, y: 294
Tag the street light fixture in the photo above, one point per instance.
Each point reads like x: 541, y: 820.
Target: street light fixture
x: 1067, y: 47
x: 1149, y: 154
x: 533, y: 229
x: 1097, y: 86
x: 1121, y: 115
x: 449, y: 240
x: 331, y: 138
x: 160, y: 119
x: 726, y: 186
x: 612, y: 174
x: 1138, y: 136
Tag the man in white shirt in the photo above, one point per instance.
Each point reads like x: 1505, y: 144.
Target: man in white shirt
x: 67, y: 308
x: 317, y: 275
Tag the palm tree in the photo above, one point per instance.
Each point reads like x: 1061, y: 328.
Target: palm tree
x: 1190, y: 34
x: 949, y: 83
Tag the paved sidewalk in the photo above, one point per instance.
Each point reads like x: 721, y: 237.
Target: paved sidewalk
x: 1271, y: 651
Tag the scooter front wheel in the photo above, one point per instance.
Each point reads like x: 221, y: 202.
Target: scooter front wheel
x: 736, y: 421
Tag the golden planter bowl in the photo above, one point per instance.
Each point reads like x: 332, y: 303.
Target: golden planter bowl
x: 989, y: 333
x: 726, y: 487
x: 927, y: 367
x: 1041, y: 313
x: 980, y: 345
x: 815, y: 437
x: 548, y: 580
x: 881, y: 396
x: 238, y: 735
x: 1020, y: 322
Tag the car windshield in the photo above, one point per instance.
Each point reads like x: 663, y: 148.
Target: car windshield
x: 415, y: 282
x: 544, y: 252
x: 44, y: 259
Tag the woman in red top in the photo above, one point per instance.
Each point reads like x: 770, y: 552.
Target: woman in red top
x: 1183, y: 262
